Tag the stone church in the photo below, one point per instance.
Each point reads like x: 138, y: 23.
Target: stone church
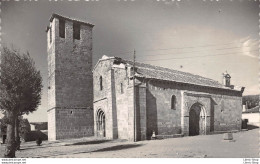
x: 126, y: 100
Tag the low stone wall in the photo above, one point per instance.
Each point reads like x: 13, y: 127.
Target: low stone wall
x: 253, y: 118
x: 33, y: 135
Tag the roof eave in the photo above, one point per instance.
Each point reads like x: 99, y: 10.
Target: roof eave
x: 54, y: 15
x: 191, y: 83
x: 99, y: 60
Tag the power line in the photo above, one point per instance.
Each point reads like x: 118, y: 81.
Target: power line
x: 99, y: 56
x: 125, y: 52
x: 119, y: 53
x: 112, y: 54
x: 207, y: 45
x: 191, y: 51
x: 230, y: 48
x: 201, y: 56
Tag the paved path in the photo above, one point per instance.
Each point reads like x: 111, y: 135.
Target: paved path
x: 245, y: 144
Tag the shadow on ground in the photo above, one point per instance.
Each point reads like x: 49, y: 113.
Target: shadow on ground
x: 88, y: 142
x: 36, y: 147
x: 21, y: 149
x: 113, y: 148
x: 118, y: 147
x: 251, y: 127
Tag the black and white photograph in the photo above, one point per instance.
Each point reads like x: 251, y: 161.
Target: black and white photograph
x: 129, y: 79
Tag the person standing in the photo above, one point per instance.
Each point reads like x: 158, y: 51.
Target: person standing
x: 3, y: 134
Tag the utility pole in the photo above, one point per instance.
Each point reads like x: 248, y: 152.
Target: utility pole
x: 134, y: 97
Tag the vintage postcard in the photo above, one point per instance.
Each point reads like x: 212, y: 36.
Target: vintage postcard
x: 175, y: 79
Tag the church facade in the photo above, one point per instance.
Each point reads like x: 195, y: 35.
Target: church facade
x: 116, y: 99
x: 166, y: 102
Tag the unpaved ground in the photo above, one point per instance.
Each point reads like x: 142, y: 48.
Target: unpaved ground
x: 245, y: 145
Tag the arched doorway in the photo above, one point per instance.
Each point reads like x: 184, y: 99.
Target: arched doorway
x: 197, y: 122
x: 101, y: 123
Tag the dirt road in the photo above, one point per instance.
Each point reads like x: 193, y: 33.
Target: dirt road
x: 244, y: 145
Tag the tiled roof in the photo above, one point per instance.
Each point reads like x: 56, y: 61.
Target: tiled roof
x: 54, y: 15
x: 161, y: 73
x: 156, y: 72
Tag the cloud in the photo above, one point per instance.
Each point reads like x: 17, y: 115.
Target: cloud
x: 249, y: 47
x: 252, y: 90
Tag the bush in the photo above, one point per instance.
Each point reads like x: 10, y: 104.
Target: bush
x: 38, y: 141
x: 33, y: 136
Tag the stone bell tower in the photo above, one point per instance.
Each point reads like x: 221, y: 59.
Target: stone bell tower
x: 226, y: 79
x: 70, y: 80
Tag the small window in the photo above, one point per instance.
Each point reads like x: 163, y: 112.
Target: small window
x: 76, y: 31
x: 62, y: 28
x: 121, y: 88
x: 100, y: 83
x: 50, y: 35
x: 173, y: 102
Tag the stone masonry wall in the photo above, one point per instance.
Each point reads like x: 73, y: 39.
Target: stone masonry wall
x: 51, y: 83
x: 188, y: 100
x: 74, y: 123
x: 70, y: 81
x: 115, y: 101
x: 153, y: 105
x: 224, y: 107
x: 121, y: 101
x: 227, y: 112
x: 52, y: 125
x: 103, y: 98
x: 101, y: 69
x: 160, y: 117
x: 51, y: 66
x: 73, y: 72
x: 112, y: 119
x: 141, y: 113
x: 102, y: 104
x: 130, y: 106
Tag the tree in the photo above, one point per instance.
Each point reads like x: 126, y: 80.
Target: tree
x: 251, y: 101
x: 3, y: 127
x: 20, y: 91
x: 24, y: 127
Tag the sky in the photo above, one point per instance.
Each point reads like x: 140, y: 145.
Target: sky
x: 203, y: 37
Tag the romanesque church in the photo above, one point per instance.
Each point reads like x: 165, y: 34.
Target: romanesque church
x: 116, y: 98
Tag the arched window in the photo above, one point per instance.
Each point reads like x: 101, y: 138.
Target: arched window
x: 173, y: 102
x: 100, y: 83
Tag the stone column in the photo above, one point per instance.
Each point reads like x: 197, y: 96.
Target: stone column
x: 184, y: 115
x: 130, y: 113
x: 141, y: 112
